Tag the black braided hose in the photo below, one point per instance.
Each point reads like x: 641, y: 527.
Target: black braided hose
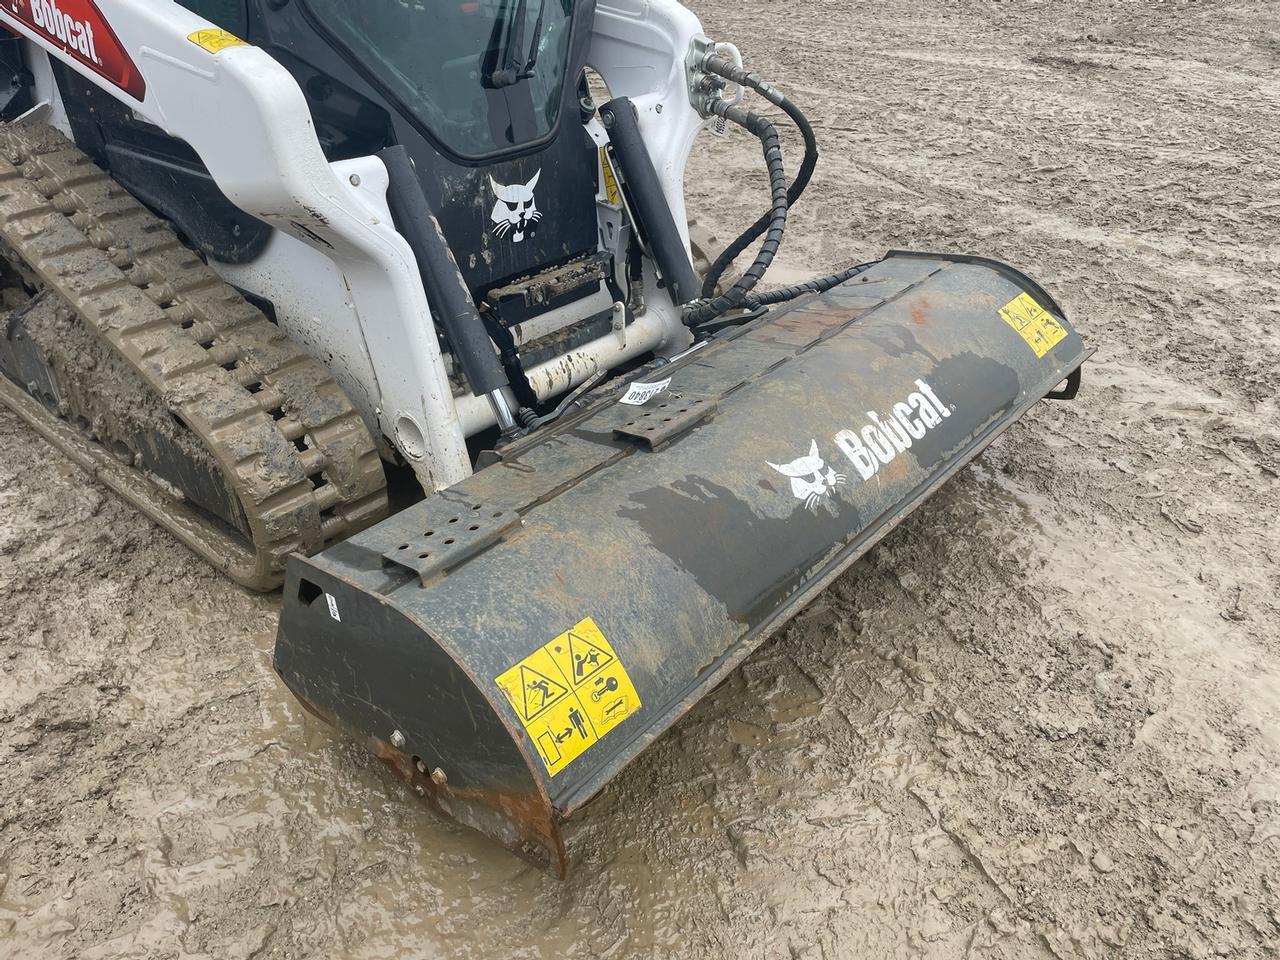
x: 700, y: 311
x: 704, y: 311
x: 817, y: 285
x: 735, y: 74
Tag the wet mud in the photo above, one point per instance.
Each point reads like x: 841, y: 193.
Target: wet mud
x: 1042, y: 719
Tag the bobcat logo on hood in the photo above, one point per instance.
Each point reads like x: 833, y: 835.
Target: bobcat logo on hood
x: 811, y: 478
x: 515, y: 211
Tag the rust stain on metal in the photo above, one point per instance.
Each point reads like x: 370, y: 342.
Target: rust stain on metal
x: 807, y: 323
x: 524, y: 823
x: 531, y: 829
x: 921, y: 311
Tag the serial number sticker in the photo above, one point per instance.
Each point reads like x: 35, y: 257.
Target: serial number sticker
x: 1034, y: 323
x: 641, y: 393
x: 333, y: 606
x: 569, y: 693
x: 215, y: 41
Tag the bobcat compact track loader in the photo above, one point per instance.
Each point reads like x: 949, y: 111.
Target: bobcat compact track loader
x: 267, y: 260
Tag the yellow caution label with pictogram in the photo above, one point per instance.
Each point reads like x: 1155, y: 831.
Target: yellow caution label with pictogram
x: 216, y: 41
x: 569, y: 693
x: 1034, y: 323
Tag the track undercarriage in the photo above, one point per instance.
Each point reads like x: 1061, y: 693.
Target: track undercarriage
x: 126, y: 351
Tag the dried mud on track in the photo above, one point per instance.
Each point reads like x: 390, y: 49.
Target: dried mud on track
x: 1041, y: 720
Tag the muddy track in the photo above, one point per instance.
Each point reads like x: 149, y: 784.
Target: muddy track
x: 291, y: 448
x: 1041, y: 720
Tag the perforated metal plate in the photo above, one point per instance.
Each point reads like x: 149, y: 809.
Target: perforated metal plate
x: 659, y: 423
x: 453, y: 531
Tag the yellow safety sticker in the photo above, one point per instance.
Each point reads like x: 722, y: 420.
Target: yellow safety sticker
x: 570, y: 693
x: 612, y: 195
x: 216, y: 40
x: 1036, y: 325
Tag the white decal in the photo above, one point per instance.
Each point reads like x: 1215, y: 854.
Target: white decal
x: 868, y: 448
x: 887, y: 435
x: 515, y: 210
x: 641, y: 393
x: 333, y: 607
x: 811, y: 478
x: 72, y: 33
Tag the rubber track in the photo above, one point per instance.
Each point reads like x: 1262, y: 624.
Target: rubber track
x: 289, y: 443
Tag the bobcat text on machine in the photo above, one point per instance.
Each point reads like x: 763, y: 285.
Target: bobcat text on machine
x: 375, y: 301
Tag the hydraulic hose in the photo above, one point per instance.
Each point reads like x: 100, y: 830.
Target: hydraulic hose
x: 734, y: 74
x: 817, y: 285
x: 700, y: 311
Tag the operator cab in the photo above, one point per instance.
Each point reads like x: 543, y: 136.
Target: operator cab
x: 484, y: 95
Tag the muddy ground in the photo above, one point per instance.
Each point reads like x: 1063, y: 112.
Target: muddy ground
x: 1041, y: 720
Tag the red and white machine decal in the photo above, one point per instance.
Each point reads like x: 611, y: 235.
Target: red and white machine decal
x: 78, y: 27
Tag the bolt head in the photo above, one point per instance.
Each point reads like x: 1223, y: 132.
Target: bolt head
x: 397, y: 739
x: 438, y: 776
x: 355, y: 179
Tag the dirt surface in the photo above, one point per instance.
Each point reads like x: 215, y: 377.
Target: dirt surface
x: 1041, y: 720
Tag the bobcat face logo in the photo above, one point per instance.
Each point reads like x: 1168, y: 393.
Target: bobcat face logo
x: 811, y: 479
x: 515, y: 211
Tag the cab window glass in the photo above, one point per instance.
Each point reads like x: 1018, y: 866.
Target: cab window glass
x: 481, y: 75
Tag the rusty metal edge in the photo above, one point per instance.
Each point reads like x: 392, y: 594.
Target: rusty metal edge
x: 537, y: 839
x: 551, y: 833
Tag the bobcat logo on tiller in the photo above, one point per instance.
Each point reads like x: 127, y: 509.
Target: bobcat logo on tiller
x: 869, y: 448
x: 811, y: 478
x: 515, y: 211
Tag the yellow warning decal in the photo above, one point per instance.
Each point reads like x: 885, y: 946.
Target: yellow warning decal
x: 570, y: 693
x: 609, y: 180
x: 1036, y: 324
x: 215, y: 40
